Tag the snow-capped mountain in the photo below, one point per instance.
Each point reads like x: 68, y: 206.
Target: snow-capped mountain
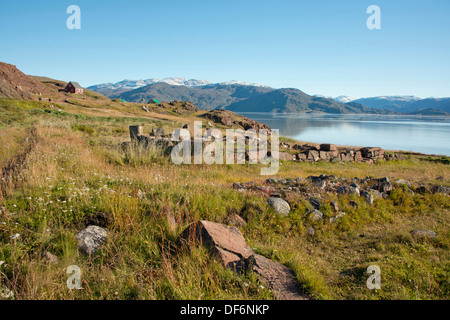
x: 135, y: 84
x: 242, y: 83
x: 344, y: 99
x: 396, y: 98
x: 109, y: 89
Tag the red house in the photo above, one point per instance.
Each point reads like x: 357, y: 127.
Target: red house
x: 73, y: 87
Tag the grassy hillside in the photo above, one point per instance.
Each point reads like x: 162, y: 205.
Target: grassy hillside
x: 77, y: 172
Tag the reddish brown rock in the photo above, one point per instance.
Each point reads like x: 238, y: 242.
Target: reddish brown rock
x: 313, y: 155
x: 285, y: 156
x: 233, y: 252
x: 226, y: 242
x: 280, y: 279
x: 302, y: 156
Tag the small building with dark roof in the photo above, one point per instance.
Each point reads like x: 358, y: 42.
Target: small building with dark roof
x: 74, y: 87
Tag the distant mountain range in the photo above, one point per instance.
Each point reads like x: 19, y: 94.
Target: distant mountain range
x: 242, y: 96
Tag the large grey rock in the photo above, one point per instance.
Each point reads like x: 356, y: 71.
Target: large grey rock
x: 377, y: 194
x: 351, y: 190
x: 367, y: 196
x: 279, y: 205
x: 384, y: 187
x: 91, y: 239
x: 423, y: 234
x: 337, y: 217
x: 316, y: 215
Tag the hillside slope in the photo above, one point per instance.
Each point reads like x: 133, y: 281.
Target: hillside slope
x: 293, y: 101
x: 15, y: 84
x: 205, y: 97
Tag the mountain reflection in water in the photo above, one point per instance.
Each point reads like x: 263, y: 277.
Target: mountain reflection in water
x: 424, y: 134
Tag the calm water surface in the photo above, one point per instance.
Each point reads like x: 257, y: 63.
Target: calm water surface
x: 424, y: 134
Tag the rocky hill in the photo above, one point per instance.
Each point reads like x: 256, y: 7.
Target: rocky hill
x: 16, y: 84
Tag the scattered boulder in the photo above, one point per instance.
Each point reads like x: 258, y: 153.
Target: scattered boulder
x: 91, y: 239
x: 403, y: 182
x: 237, y: 186
x: 420, y: 234
x: 321, y: 184
x: 335, y: 206
x: 311, y: 231
x: 279, y: 205
x: 226, y: 242
x: 348, y: 190
x: 280, y: 279
x: 385, y: 186
x: 49, y: 258
x: 377, y: 194
x: 337, y: 217
x: 367, y: 196
x: 440, y: 189
x: 316, y: 215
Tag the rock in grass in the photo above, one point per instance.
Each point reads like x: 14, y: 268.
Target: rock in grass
x: 280, y: 279
x: 377, y: 194
x: 91, y: 239
x: 367, y: 196
x: 229, y: 245
x: 337, y: 217
x: 335, y: 206
x: 279, y: 205
x: 226, y: 242
x: 353, y: 204
x: 348, y: 190
x: 314, y: 202
x: 316, y: 215
x: 423, y: 234
x: 50, y: 258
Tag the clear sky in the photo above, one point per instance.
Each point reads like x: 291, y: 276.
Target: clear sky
x: 320, y: 47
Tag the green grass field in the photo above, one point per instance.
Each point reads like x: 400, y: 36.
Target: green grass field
x: 77, y: 170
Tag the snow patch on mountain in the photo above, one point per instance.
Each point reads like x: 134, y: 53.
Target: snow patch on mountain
x: 242, y: 83
x: 135, y: 84
x: 175, y: 81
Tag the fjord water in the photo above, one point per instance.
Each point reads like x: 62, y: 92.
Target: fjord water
x: 425, y: 134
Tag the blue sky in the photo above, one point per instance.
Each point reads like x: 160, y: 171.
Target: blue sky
x: 320, y: 47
